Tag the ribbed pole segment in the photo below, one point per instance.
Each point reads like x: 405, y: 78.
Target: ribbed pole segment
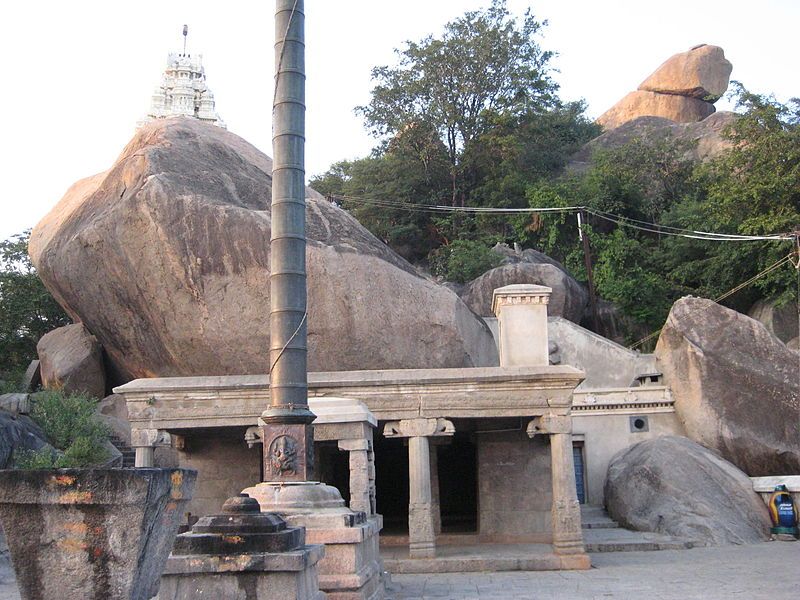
x: 288, y: 368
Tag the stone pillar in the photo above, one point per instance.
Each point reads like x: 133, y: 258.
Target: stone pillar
x: 521, y: 311
x: 421, y: 529
x: 567, y: 534
x: 359, y: 474
x: 421, y: 534
x: 436, y: 505
x: 144, y: 442
x: 566, y: 512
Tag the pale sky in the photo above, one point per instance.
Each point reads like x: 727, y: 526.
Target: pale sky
x: 76, y: 76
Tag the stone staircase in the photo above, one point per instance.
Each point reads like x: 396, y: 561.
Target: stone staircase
x: 602, y: 534
x: 128, y: 453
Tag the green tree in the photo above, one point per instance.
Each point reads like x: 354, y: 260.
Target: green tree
x: 485, y: 63
x: 27, y: 310
x: 380, y: 190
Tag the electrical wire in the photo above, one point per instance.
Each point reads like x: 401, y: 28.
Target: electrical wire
x: 610, y: 217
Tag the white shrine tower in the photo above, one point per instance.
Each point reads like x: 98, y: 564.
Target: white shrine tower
x: 183, y: 90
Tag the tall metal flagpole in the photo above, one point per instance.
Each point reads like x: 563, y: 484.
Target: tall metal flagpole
x: 287, y: 432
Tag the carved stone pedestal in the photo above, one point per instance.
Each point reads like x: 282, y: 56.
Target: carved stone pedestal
x: 242, y: 554
x: 350, y: 569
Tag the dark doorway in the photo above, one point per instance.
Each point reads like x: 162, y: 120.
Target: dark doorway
x: 333, y: 467
x: 458, y: 484
x: 391, y: 484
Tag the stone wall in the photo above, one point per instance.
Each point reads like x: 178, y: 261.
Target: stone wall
x: 225, y: 466
x: 605, y: 435
x: 515, y: 493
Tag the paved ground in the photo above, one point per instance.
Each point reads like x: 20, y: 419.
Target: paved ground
x: 770, y: 571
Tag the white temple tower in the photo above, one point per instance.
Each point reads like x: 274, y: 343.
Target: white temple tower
x: 183, y: 90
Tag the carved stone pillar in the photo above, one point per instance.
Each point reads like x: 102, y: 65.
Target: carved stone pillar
x: 421, y: 533
x: 144, y: 442
x: 566, y: 512
x: 421, y: 530
x: 359, y: 474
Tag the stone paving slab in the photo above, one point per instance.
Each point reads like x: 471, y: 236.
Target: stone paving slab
x: 770, y: 571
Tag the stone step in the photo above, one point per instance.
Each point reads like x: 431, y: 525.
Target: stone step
x: 128, y: 453
x: 595, y: 517
x: 624, y: 540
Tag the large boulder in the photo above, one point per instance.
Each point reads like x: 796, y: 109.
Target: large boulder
x: 567, y: 300
x: 71, y: 359
x: 683, y: 89
x: 735, y: 385
x: 780, y: 320
x: 19, y: 433
x: 702, y: 72
x: 680, y: 109
x: 165, y: 258
x: 674, y: 486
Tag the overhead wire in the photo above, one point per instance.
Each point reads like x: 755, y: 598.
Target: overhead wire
x: 610, y: 217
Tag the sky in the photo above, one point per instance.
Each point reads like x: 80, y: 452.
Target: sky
x: 76, y: 76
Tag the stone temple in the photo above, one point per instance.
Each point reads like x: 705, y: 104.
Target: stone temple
x: 183, y: 91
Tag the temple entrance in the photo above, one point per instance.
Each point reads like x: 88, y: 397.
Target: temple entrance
x: 391, y: 484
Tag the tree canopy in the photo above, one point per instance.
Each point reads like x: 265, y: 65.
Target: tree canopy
x: 27, y: 310
x: 484, y: 64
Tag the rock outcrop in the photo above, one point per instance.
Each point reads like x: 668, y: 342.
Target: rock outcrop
x: 567, y: 300
x: 165, y: 258
x: 736, y: 386
x: 702, y: 141
x: 71, y: 360
x: 674, y: 486
x: 683, y: 89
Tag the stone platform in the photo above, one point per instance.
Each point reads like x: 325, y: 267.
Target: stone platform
x: 482, y: 557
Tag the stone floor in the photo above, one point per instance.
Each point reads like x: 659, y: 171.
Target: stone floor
x: 769, y: 571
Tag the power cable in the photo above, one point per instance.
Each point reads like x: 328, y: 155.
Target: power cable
x: 610, y: 217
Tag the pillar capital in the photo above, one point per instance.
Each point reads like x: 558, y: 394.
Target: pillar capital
x: 149, y: 438
x: 419, y: 428
x: 549, y: 425
x: 519, y: 293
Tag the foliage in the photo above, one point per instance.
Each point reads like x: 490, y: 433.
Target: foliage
x: 70, y: 423
x: 468, y: 118
x: 12, y: 382
x: 27, y: 310
x: 411, y: 170
x: 463, y: 260
x: 485, y: 63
